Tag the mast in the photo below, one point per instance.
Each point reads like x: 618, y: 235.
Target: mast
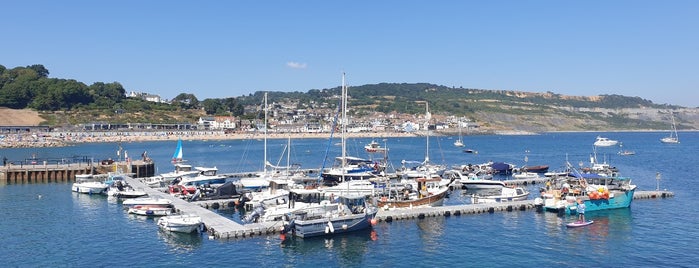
x: 428, y: 116
x: 343, y: 125
x: 265, y: 140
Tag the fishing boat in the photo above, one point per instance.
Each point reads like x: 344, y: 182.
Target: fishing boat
x: 598, y: 192
x: 181, y: 223
x: 604, y: 142
x: 673, y: 138
x: 424, y: 192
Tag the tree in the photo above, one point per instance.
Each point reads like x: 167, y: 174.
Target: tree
x: 212, y: 106
x: 186, y: 101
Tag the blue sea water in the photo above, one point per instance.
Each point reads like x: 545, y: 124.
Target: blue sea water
x: 46, y: 225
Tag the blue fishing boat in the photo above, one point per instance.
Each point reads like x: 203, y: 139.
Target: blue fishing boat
x: 598, y: 192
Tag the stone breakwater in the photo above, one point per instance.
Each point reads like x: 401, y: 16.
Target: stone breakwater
x: 61, y: 139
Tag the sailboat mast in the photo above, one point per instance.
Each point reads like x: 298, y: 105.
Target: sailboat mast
x: 343, y: 125
x: 428, y: 116
x: 265, y: 140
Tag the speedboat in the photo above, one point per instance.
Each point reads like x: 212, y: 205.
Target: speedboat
x: 605, y: 142
x: 86, y: 183
x: 181, y: 223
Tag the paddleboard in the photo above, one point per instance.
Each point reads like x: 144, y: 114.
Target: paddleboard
x: 579, y: 224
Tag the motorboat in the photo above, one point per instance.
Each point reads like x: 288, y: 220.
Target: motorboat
x: 475, y: 182
x: 346, y: 214
x: 119, y: 188
x: 375, y: 147
x: 188, y: 185
x: 181, y: 171
x: 148, y: 201
x: 526, y: 175
x: 87, y: 184
x: 605, y: 142
x: 145, y: 210
x: 184, y: 223
x: 506, y: 194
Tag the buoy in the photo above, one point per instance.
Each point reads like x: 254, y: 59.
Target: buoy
x: 344, y: 227
x: 373, y: 221
x: 214, y: 206
x: 332, y: 228
x: 282, y: 237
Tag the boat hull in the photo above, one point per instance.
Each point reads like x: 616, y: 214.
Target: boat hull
x: 180, y: 224
x: 89, y: 188
x: 433, y: 200
x: 619, y: 199
x: 322, y: 227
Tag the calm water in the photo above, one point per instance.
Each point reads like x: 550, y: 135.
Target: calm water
x: 48, y: 225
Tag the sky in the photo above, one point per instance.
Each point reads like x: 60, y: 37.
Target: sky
x: 219, y: 49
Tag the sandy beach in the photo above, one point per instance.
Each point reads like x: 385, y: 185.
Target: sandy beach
x: 60, y: 139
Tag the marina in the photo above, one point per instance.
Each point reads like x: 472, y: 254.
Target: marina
x: 430, y: 233
x: 220, y: 227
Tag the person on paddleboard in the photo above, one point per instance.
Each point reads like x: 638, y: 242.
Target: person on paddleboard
x: 581, y: 210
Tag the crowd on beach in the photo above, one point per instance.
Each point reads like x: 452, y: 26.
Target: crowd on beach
x: 59, y: 139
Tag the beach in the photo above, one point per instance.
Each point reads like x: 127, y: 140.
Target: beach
x: 61, y: 139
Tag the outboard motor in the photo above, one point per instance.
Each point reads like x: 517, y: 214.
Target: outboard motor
x: 196, y: 195
x: 254, y: 215
x: 288, y: 227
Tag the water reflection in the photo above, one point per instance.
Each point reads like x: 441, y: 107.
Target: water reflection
x: 181, y: 241
x: 347, y: 247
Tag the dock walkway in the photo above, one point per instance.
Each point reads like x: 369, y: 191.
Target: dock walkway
x: 220, y: 227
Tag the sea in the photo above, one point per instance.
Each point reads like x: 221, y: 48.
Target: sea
x: 47, y: 225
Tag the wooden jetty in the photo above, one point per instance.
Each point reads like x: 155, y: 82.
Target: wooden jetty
x: 65, y: 172
x: 220, y: 227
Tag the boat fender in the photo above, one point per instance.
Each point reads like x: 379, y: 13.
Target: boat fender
x: 331, y: 227
x: 215, y: 205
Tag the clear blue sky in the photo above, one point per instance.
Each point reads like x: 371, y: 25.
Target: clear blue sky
x: 217, y: 49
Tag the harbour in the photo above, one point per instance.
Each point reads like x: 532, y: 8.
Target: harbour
x: 434, y: 235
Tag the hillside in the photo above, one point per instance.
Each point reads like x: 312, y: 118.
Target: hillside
x: 22, y: 117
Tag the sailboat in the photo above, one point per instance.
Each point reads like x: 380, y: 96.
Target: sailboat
x: 459, y: 142
x: 351, y: 211
x: 177, y: 156
x: 673, y: 138
x: 426, y: 168
x: 347, y: 167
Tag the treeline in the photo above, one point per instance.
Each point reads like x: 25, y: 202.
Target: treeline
x: 30, y: 87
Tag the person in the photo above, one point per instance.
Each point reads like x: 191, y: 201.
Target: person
x: 581, y: 210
